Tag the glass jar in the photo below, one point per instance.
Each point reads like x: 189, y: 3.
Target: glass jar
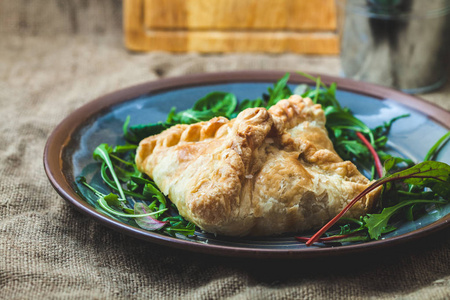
x: 403, y: 44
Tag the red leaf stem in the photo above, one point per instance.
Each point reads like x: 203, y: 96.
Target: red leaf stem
x: 370, y: 188
x: 378, y: 165
x: 325, y: 239
x: 324, y: 229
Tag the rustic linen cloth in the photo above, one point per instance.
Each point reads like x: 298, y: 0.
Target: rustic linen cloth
x: 56, y: 56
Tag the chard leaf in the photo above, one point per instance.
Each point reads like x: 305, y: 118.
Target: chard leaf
x: 432, y: 174
x: 147, y: 222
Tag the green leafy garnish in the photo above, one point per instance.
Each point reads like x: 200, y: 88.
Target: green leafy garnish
x: 102, y: 153
x: 119, y: 172
x: 214, y: 104
x: 104, y: 204
x: 279, y: 92
x: 407, y: 190
x: 434, y: 150
x: 134, y: 134
x: 220, y: 103
x: 430, y: 174
x: 376, y: 223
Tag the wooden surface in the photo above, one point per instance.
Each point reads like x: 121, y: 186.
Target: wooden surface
x: 240, y: 14
x: 273, y: 26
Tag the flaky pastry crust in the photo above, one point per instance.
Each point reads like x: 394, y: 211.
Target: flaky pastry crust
x: 266, y: 172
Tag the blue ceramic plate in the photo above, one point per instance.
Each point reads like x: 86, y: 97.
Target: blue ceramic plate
x: 68, y: 152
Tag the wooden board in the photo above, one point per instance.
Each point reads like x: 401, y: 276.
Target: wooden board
x: 208, y: 26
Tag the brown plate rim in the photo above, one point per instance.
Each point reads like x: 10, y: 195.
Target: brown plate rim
x: 59, y: 140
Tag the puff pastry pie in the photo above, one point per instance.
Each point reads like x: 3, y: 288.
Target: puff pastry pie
x: 265, y: 172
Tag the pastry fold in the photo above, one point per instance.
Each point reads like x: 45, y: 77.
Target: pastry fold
x: 265, y: 172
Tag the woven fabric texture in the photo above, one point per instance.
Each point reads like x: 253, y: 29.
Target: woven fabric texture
x: 56, y: 56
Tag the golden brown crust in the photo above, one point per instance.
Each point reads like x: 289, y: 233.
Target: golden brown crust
x: 265, y: 172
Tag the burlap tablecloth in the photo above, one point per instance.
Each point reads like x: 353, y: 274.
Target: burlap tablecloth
x: 56, y: 56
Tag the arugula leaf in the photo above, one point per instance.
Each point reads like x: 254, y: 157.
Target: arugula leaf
x: 103, y: 204
x: 351, y: 148
x: 344, y: 120
x: 326, y: 96
x: 221, y: 103
x: 134, y: 134
x: 179, y: 226
x: 392, y: 163
x: 153, y: 192
x: 376, y: 223
x: 124, y: 148
x: 434, y: 149
x: 345, y: 129
x: 113, y: 200
x: 102, y: 153
x: 110, y: 182
x: 214, y: 104
x: 280, y: 91
x: 383, y: 131
x: 247, y: 103
x: 191, y: 116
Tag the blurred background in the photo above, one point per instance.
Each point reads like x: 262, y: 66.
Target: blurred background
x: 404, y: 44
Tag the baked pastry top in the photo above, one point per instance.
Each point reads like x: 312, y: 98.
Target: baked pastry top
x: 265, y: 172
